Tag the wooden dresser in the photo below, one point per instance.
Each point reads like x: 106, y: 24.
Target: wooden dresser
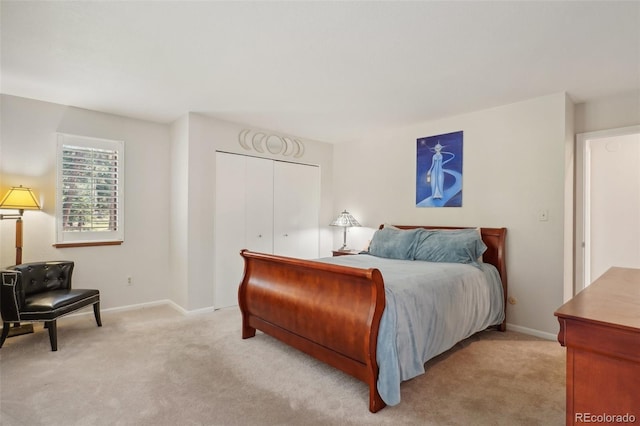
x: 600, y: 327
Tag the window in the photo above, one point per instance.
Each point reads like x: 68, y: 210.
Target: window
x: 90, y: 191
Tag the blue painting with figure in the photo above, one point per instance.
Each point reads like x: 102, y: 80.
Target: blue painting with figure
x: 439, y: 171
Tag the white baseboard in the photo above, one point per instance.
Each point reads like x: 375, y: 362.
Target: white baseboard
x: 183, y: 311
x: 172, y: 304
x: 166, y: 302
x: 141, y: 306
x: 88, y: 310
x: 532, y: 332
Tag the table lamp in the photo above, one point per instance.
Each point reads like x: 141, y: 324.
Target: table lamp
x: 345, y: 220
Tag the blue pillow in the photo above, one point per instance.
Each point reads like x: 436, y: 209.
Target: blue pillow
x: 394, y: 243
x: 453, y: 246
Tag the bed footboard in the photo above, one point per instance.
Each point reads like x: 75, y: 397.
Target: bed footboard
x: 330, y: 312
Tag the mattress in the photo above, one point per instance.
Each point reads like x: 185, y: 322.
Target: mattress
x: 430, y: 306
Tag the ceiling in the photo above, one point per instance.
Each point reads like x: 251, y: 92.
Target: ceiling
x: 328, y: 71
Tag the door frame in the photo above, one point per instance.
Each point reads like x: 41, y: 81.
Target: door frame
x: 582, y: 241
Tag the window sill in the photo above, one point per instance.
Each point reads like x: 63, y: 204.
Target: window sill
x: 88, y: 244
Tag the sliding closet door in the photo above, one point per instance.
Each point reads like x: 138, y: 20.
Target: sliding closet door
x: 259, y: 204
x: 265, y: 206
x: 296, y: 194
x: 243, y: 219
x: 229, y: 227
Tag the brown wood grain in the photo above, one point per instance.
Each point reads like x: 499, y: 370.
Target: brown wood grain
x: 600, y: 327
x: 331, y: 312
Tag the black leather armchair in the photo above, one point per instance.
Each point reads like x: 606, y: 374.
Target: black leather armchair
x: 41, y: 291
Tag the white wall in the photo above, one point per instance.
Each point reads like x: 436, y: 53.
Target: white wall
x: 169, y: 241
x: 610, y: 112
x: 516, y: 162
x: 195, y: 140
x: 178, y: 196
x: 569, y: 199
x: 169, y: 200
x: 514, y: 166
x: 28, y: 158
x: 609, y: 116
x: 615, y: 203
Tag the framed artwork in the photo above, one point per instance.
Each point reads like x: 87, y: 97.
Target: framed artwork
x: 439, y: 170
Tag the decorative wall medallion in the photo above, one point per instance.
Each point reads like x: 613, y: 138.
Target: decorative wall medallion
x: 275, y: 144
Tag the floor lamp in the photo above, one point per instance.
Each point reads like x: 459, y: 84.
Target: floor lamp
x: 21, y: 199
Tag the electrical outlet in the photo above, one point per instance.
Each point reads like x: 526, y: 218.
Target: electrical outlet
x: 129, y: 281
x: 543, y: 215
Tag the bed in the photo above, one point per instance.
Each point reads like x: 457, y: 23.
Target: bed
x: 351, y: 312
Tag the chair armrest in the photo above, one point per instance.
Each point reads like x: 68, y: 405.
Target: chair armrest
x: 11, y: 295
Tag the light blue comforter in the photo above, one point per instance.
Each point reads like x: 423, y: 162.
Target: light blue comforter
x: 429, y: 308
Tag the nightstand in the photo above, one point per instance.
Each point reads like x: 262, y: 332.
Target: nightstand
x: 344, y: 252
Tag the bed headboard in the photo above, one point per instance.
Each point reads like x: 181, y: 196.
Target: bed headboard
x: 495, y: 240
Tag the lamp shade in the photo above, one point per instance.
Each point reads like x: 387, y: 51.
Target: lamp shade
x: 345, y: 219
x: 19, y: 198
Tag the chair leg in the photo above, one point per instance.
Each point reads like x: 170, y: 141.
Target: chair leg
x: 53, y: 334
x: 5, y: 332
x: 96, y: 312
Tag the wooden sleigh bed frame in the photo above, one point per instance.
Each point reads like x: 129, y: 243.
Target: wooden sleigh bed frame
x: 330, y: 312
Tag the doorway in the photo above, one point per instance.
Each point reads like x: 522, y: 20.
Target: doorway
x: 607, y: 202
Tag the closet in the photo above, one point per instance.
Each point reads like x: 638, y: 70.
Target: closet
x: 262, y: 205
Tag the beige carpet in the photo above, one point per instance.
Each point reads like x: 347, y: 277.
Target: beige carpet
x: 154, y: 366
